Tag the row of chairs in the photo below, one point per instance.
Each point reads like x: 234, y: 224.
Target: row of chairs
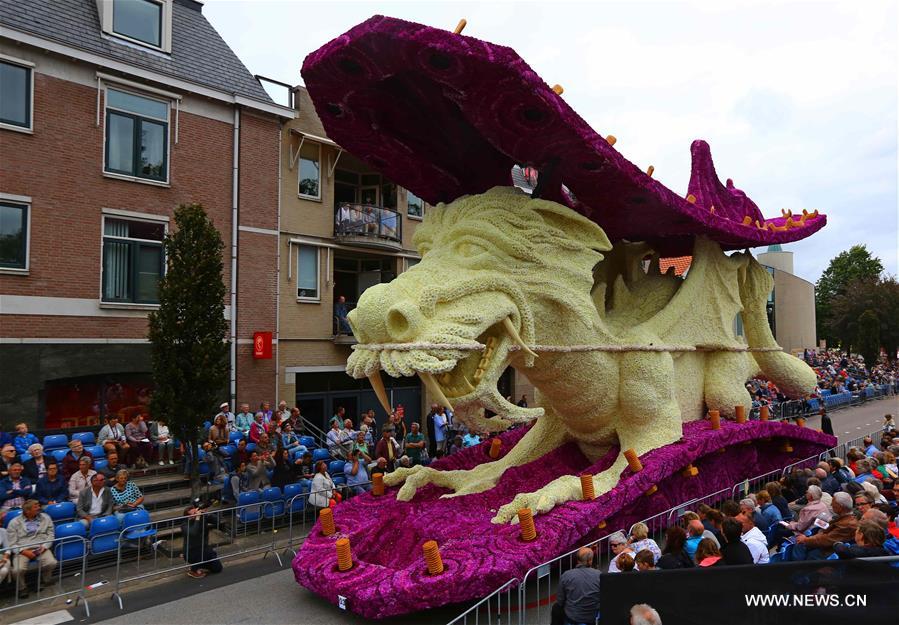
x: 271, y: 502
x: 52, y: 442
x: 61, y: 512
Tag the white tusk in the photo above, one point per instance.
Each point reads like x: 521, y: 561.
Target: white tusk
x: 468, y: 384
x: 510, y: 328
x: 435, y: 390
x: 378, y: 385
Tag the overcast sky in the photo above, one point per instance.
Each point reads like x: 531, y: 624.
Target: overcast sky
x: 798, y: 100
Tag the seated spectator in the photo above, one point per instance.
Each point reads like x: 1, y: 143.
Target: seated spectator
x: 6, y: 439
x: 8, y: 456
x: 94, y: 502
x: 642, y: 614
x: 457, y: 445
x: 321, y: 493
x: 24, y: 439
x: 257, y: 428
x: 15, y: 488
x: 238, y: 482
x: 36, y: 467
x: 690, y: 516
x: 296, y: 421
x: 841, y: 529
x: 126, y: 495
x: 283, y: 473
x: 730, y: 508
x: 289, y: 440
x: 707, y: 553
x: 81, y: 478
x: 619, y: 546
x: 241, y: 454
x: 356, y: 474
x: 813, y: 510
x: 673, y: 555
x: 863, y: 502
x: 71, y: 461
x: 304, y: 469
x: 387, y: 447
x: 112, y: 437
x: 872, y: 488
x: 244, y: 419
x: 405, y: 462
x: 829, y: 484
x: 161, y: 437
x: 625, y: 563
x: 639, y: 540
x: 869, y: 539
x: 716, y: 519
x: 5, y: 555
x: 471, y: 439
x: 415, y: 444
x: 215, y: 458
x: 734, y: 551
x: 219, y: 432
x: 578, y: 593
x: 51, y: 488
x: 258, y: 469
x: 225, y: 411
x: 767, y: 508
x: 870, y: 448
x: 197, y: 552
x: 695, y: 530
x: 266, y: 444
x: 754, y: 539
x: 30, y: 537
x: 112, y: 467
x: 749, y: 508
x: 138, y: 435
x: 644, y: 560
x: 379, y: 467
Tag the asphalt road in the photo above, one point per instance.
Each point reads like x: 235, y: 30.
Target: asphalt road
x: 261, y: 593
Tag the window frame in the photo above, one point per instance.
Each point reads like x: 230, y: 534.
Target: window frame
x: 137, y: 118
x: 301, y: 195
x: 135, y: 245
x: 410, y: 215
x: 25, y: 203
x: 107, y: 20
x: 29, y: 67
x: 318, y: 278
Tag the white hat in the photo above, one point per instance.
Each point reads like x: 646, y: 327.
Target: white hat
x: 224, y: 405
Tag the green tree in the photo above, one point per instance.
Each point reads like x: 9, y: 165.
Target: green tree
x: 855, y: 264
x: 880, y: 296
x: 188, y: 333
x: 869, y: 337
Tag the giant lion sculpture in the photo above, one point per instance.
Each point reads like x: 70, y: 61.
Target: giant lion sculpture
x: 510, y: 273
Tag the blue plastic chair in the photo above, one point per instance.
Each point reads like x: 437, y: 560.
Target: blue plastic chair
x: 10, y: 515
x: 290, y: 496
x: 69, y: 543
x: 307, y: 441
x: 87, y: 438
x: 56, y: 441
x: 23, y: 458
x: 228, y: 450
x: 274, y: 502
x: 249, y: 513
x: 251, y: 447
x: 61, y: 512
x: 104, y: 534
x: 138, y: 525
x: 100, y: 464
x: 59, y: 454
x: 235, y: 437
x: 335, y: 467
x: 96, y: 451
x: 320, y: 454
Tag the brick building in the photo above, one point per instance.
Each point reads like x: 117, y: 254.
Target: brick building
x: 112, y: 114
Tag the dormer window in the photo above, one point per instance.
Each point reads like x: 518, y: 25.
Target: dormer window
x: 145, y: 22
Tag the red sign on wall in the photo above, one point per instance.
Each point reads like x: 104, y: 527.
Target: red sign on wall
x: 262, y: 345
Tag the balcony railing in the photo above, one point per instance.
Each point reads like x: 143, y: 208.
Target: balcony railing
x: 368, y: 224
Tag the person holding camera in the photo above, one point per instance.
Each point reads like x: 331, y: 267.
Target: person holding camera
x: 197, y: 552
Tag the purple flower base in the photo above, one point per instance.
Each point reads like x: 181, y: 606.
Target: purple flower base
x: 389, y: 576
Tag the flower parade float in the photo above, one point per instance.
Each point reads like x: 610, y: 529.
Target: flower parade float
x: 639, y: 376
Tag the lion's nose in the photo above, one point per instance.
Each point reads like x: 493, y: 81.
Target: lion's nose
x: 404, y: 321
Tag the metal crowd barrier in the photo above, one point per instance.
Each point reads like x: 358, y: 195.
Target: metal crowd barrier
x: 492, y: 608
x: 65, y: 586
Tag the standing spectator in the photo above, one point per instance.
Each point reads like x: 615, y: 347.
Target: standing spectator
x: 338, y: 417
x: 94, y: 502
x: 333, y: 439
x: 112, y: 437
x: 72, y: 460
x: 258, y: 471
x: 840, y: 529
x: 225, y: 411
x: 523, y: 402
x: 387, y: 447
x: 126, y: 495
x: 441, y: 431
x: 162, y: 440
x: 674, y: 555
x: 296, y: 420
x: 356, y: 474
x: 197, y: 552
x: 415, y: 444
x: 322, y: 489
x: 36, y: 466
x: 398, y: 420
x: 640, y: 540
x: 24, y: 439
x: 138, y: 436
x: 14, y: 488
x: 362, y: 446
x: 244, y: 419
x: 30, y: 538
x: 51, y: 488
x: 754, y: 539
x: 734, y: 551
x: 81, y: 478
x: 257, y: 429
x: 432, y: 430
x: 826, y: 423
x: 340, y: 313
x: 578, y: 594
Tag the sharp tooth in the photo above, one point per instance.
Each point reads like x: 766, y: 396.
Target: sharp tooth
x: 435, y: 389
x: 469, y: 385
x: 510, y: 328
x: 378, y: 385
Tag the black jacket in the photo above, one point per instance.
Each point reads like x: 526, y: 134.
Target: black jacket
x: 675, y: 561
x: 30, y: 469
x: 736, y: 553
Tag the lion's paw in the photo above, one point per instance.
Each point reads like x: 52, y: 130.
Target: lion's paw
x: 565, y: 488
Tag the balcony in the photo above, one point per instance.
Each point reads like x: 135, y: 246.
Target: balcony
x: 366, y: 225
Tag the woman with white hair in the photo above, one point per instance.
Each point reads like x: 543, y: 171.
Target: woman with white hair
x: 36, y: 467
x: 619, y: 546
x: 642, y: 614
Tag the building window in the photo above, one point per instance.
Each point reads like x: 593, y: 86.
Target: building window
x: 415, y: 206
x: 411, y: 262
x: 307, y: 272
x: 132, y: 260
x: 138, y: 19
x: 310, y: 171
x: 137, y: 133
x: 13, y: 235
x: 15, y: 95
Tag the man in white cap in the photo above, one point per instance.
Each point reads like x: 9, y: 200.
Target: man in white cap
x: 225, y: 411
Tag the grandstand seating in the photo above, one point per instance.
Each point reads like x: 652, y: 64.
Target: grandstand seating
x: 291, y: 492
x: 69, y: 543
x: 87, y: 438
x: 274, y: 502
x: 308, y: 442
x: 235, y: 437
x: 63, y: 511
x: 59, y: 454
x: 137, y: 524
x: 55, y: 441
x: 249, y: 514
x: 100, y: 464
x: 320, y: 454
x: 104, y: 534
x: 10, y: 515
x: 96, y: 451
